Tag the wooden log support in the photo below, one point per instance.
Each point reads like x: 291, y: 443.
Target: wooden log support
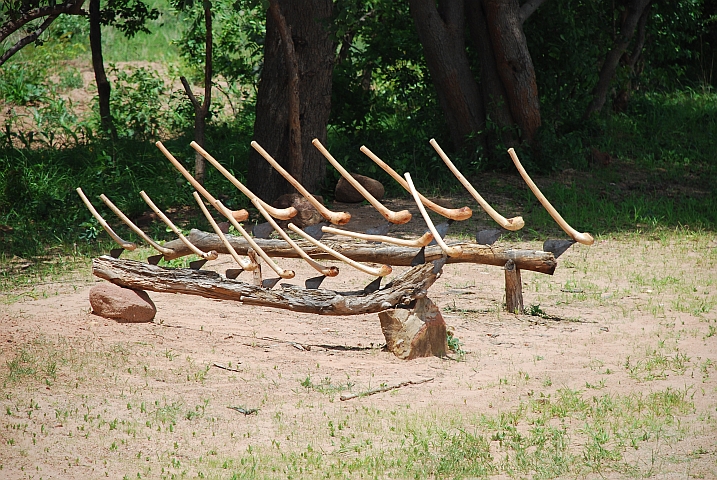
x: 402, y: 291
x: 513, y: 288
x: 533, y: 260
x: 414, y: 333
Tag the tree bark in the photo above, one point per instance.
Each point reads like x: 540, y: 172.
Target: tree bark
x: 442, y: 37
x: 536, y: 261
x: 306, y: 20
x: 635, y: 9
x: 296, y: 161
x: 402, y: 291
x: 514, y: 64
x: 201, y: 110
x: 494, y: 95
x: 103, y: 85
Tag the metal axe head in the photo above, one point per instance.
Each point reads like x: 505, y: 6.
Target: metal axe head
x: 116, y: 252
x: 154, y: 259
x: 557, y: 247
x: 438, y: 264
x: 270, y: 282
x: 488, y: 237
x: 420, y: 257
x: 233, y: 273
x: 442, y: 230
x: 314, y: 282
x: 197, y: 264
x: 373, y: 286
x: 381, y: 229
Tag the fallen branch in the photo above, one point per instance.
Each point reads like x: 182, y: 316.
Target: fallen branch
x: 403, y: 290
x: 350, y: 396
x: 224, y: 367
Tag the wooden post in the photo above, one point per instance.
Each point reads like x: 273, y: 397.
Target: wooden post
x: 414, y: 333
x: 513, y: 288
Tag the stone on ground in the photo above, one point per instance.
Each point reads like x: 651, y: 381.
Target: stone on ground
x: 122, y: 304
x: 346, y: 193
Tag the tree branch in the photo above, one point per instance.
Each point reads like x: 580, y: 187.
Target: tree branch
x: 527, y: 9
x: 28, y: 39
x: 208, y: 58
x: 190, y: 94
x: 72, y: 7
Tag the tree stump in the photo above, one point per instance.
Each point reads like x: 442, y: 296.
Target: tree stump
x: 416, y: 332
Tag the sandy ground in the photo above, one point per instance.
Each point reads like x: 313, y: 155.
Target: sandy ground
x: 609, y: 311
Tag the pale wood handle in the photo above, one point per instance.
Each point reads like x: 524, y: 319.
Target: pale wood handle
x: 280, y: 213
x: 279, y: 271
x: 418, y: 242
x: 457, y: 214
x: 337, y: 218
x: 450, y: 251
x: 511, y: 224
x: 135, y: 228
x: 404, y: 216
x: 123, y: 243
x: 211, y: 255
x: 240, y: 215
x: 328, y: 271
x: 244, y: 264
x: 584, y: 238
x: 377, y: 272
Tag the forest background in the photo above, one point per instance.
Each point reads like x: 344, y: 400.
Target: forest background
x: 610, y: 103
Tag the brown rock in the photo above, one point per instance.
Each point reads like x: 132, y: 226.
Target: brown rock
x: 346, y: 193
x: 122, y: 304
x: 307, y: 214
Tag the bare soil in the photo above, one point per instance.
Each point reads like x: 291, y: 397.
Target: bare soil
x: 597, y: 324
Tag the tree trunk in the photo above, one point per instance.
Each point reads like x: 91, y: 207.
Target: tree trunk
x: 514, y: 64
x: 296, y: 161
x: 103, y: 85
x: 314, y: 55
x: 635, y: 8
x: 201, y: 110
x: 442, y: 37
x: 495, y: 98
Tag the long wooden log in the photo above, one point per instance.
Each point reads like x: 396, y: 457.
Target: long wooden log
x: 405, y: 288
x: 534, y: 260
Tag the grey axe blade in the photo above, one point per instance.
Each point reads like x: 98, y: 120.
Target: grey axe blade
x: 373, y: 286
x: 314, y: 282
x: 154, y: 259
x: 233, y: 273
x: 420, y: 257
x: 557, y: 247
x: 197, y: 264
x: 488, y: 237
x: 270, y: 282
x: 116, y: 252
x: 262, y: 230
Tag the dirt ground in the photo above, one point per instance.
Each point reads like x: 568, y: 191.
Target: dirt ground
x: 86, y: 397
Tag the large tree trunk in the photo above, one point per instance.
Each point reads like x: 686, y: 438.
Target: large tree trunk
x: 103, y: 85
x: 495, y: 98
x: 313, y: 47
x: 442, y: 36
x: 514, y: 64
x: 635, y: 9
